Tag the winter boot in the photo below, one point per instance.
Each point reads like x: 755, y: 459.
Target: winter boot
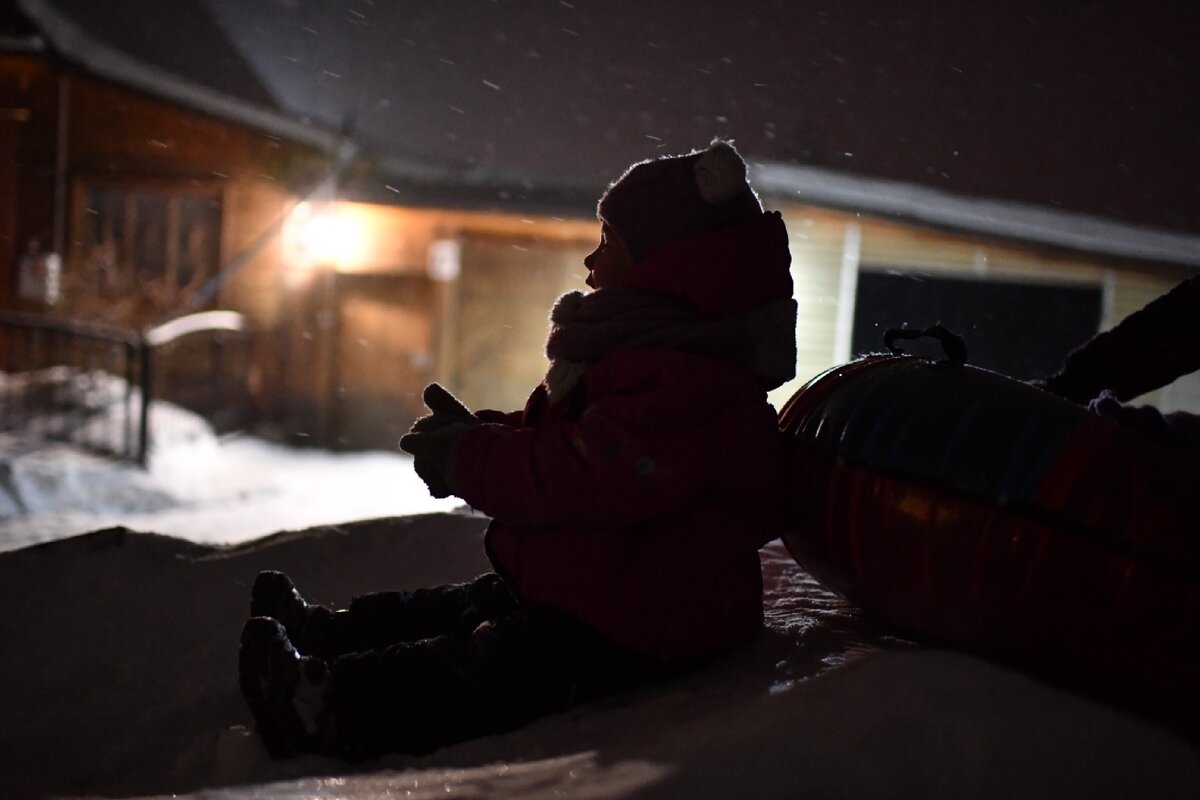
x: 310, y: 628
x: 287, y: 693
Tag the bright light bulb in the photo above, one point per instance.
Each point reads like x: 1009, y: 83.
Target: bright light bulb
x: 324, y: 234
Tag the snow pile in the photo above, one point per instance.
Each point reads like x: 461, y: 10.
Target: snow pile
x: 121, y: 649
x: 56, y: 477
x: 198, y: 486
x: 126, y: 686
x: 89, y: 407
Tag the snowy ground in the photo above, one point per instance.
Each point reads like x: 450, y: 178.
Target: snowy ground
x: 120, y: 650
x: 199, y: 487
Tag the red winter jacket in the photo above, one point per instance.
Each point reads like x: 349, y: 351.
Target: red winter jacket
x: 639, y: 504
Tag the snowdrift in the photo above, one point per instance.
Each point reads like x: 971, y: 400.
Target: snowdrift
x: 119, y: 680
x: 198, y: 486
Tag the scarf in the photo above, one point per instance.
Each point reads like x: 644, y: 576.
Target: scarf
x: 585, y: 328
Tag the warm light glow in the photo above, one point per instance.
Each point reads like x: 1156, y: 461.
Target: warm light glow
x: 324, y: 234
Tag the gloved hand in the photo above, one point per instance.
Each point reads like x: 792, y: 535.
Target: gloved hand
x: 433, y: 456
x: 446, y: 410
x: 433, y: 453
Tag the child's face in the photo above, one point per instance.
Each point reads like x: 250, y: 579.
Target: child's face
x: 610, y: 264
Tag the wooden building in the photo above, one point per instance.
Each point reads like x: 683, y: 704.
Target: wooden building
x: 363, y: 278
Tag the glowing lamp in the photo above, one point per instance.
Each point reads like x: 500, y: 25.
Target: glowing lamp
x: 323, y: 234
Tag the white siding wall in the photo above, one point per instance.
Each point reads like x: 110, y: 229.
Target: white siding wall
x: 828, y: 248
x: 816, y: 247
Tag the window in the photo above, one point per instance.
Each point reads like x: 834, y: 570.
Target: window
x: 1020, y: 329
x: 157, y: 241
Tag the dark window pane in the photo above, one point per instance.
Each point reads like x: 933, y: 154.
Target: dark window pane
x: 1019, y: 329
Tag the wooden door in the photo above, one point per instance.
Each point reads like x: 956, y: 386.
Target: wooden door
x: 382, y: 358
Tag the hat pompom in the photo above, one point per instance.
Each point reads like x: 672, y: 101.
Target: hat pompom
x: 673, y: 198
x: 720, y: 173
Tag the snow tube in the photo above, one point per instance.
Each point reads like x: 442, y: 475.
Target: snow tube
x: 979, y: 512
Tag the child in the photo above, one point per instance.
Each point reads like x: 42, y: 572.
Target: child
x: 629, y: 499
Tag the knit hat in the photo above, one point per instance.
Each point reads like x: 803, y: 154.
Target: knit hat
x: 665, y: 200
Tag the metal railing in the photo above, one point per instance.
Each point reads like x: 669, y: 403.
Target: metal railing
x: 94, y: 385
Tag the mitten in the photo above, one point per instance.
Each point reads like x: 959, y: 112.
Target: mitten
x: 433, y: 453
x: 433, y: 479
x: 440, y: 401
x: 446, y: 410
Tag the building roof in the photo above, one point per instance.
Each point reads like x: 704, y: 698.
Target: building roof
x: 997, y: 218
x: 178, y: 38
x: 1083, y: 107
x: 954, y: 119
x: 175, y: 51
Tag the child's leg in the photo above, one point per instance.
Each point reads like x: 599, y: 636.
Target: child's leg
x: 382, y: 619
x: 375, y: 621
x: 418, y: 696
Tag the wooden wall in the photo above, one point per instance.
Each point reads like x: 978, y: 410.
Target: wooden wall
x: 149, y: 202
x: 505, y: 294
x: 366, y: 337
x: 118, y: 142
x: 117, y: 131
x: 28, y: 121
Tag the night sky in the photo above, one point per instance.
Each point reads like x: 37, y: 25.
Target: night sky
x: 1090, y: 106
